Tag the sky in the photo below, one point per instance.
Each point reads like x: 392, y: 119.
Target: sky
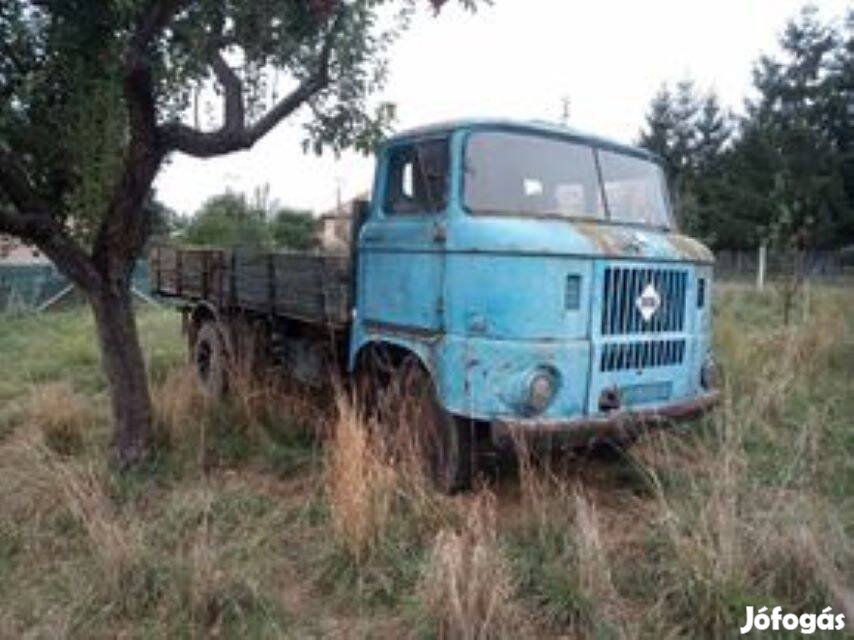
x: 516, y: 59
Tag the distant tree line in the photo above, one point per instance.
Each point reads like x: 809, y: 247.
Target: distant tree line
x: 783, y: 172
x: 231, y: 219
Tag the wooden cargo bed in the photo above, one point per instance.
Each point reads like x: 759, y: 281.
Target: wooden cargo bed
x: 308, y: 286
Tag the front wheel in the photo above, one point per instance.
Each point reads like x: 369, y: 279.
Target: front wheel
x: 444, y: 440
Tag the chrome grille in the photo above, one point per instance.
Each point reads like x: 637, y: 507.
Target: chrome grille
x: 623, y: 286
x: 642, y: 355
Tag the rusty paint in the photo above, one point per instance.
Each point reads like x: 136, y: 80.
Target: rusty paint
x: 602, y: 237
x: 690, y: 248
x: 587, y: 430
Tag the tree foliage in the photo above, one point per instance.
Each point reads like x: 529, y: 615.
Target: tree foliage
x: 95, y: 95
x: 231, y: 220
x: 293, y: 229
x: 781, y: 173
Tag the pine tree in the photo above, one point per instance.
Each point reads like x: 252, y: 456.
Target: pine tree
x: 714, y: 128
x: 680, y: 131
x: 839, y: 124
x: 784, y: 172
x: 684, y: 130
x: 659, y: 134
x: 807, y: 196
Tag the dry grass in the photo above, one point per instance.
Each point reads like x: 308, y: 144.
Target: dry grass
x: 593, y: 564
x: 115, y: 541
x: 360, y: 483
x: 62, y: 416
x: 468, y: 585
x: 564, y: 553
x: 376, y: 484
x: 178, y: 404
x: 50, y: 482
x: 259, y: 393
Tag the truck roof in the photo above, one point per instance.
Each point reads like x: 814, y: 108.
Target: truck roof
x: 522, y: 126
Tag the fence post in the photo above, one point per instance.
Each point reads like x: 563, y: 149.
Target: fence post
x: 760, y: 271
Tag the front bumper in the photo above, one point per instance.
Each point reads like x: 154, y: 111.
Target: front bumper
x: 582, y: 432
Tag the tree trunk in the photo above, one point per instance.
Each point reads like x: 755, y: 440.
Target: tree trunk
x: 124, y: 367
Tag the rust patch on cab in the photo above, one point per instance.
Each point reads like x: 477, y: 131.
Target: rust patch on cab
x: 601, y: 236
x: 690, y: 249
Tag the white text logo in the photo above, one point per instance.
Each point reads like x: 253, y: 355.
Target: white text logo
x: 806, y: 623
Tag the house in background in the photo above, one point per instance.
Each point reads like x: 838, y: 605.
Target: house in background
x: 15, y: 252
x: 335, y: 226
x: 27, y: 278
x: 333, y: 230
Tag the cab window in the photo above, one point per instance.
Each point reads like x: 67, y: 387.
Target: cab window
x: 417, y: 178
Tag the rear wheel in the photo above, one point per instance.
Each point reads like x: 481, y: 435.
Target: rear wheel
x: 209, y: 360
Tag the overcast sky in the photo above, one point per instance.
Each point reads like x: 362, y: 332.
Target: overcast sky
x: 518, y: 59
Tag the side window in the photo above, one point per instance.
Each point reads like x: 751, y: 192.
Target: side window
x: 417, y: 178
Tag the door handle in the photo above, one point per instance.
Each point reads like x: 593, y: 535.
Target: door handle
x: 440, y: 232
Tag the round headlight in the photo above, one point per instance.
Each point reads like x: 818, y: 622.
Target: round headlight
x: 541, y: 391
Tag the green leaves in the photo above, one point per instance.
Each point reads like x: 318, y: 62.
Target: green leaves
x: 64, y: 70
x: 786, y: 173
x: 230, y: 220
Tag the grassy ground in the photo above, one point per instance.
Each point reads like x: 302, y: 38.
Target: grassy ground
x: 243, y: 526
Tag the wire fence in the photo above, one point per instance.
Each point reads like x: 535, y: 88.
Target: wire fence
x: 813, y: 265
x: 31, y: 287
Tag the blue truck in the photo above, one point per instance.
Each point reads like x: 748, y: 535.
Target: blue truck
x: 525, y: 280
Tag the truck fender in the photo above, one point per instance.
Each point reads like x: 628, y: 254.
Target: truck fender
x: 404, y: 347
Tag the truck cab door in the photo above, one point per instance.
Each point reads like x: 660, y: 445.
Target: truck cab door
x: 402, y: 245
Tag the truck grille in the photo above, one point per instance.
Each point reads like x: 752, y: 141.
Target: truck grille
x: 642, y: 355
x: 623, y: 286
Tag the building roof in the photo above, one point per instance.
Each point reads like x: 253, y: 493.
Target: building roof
x: 534, y: 126
x: 334, y: 215
x: 14, y: 252
x: 344, y: 209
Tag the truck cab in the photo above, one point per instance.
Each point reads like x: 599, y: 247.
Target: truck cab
x: 537, y: 276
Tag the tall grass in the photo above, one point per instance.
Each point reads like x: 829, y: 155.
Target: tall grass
x: 244, y: 527
x: 740, y: 517
x: 468, y: 586
x: 360, y: 483
x: 62, y: 416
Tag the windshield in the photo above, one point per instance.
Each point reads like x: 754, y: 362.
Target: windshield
x: 531, y: 175
x: 634, y: 189
x: 521, y: 174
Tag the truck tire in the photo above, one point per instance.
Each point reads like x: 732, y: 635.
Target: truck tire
x: 444, y: 440
x: 210, y: 360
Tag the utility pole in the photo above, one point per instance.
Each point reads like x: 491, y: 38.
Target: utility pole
x: 339, y: 180
x: 760, y: 272
x: 566, y: 102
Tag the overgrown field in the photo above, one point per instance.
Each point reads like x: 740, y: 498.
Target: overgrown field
x: 274, y: 514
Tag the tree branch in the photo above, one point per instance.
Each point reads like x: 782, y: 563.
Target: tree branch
x: 152, y: 21
x: 30, y: 219
x: 139, y: 85
x: 16, y: 185
x: 234, y: 135
x: 49, y: 236
x: 235, y: 113
x: 123, y: 229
